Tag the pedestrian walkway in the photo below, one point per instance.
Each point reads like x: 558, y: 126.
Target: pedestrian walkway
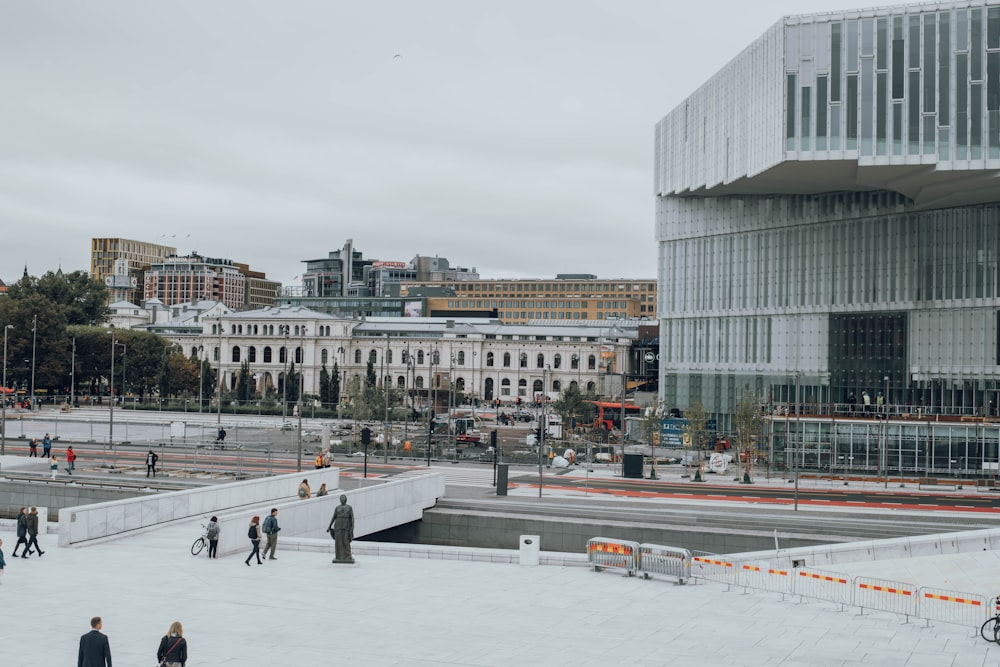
x: 386, y: 611
x: 454, y: 475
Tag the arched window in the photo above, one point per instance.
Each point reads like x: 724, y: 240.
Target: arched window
x: 488, y: 389
x: 234, y: 329
x: 236, y: 354
x: 436, y: 357
x: 373, y: 356
x: 357, y: 356
x: 505, y: 387
x: 388, y: 357
x: 540, y: 361
x: 252, y: 354
x: 215, y: 354
x: 419, y: 382
x: 461, y: 357
x: 506, y: 359
x: 591, y: 387
x: 489, y: 359
x: 522, y: 387
x: 420, y: 356
x: 298, y: 355
x: 400, y: 382
x: 574, y: 362
x: 267, y: 354
x: 557, y: 361
x: 556, y: 385
x: 573, y: 384
x: 324, y: 356
x: 460, y: 384
x: 523, y: 360
x: 591, y: 362
x: 239, y: 329
x: 537, y: 387
x: 282, y: 355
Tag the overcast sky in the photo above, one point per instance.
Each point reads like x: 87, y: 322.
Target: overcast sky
x: 514, y: 137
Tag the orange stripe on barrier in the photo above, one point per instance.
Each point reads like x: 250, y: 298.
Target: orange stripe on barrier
x: 947, y: 598
x: 698, y: 559
x: 884, y: 589
x: 751, y: 567
x: 783, y: 573
x: 822, y: 577
x: 612, y: 548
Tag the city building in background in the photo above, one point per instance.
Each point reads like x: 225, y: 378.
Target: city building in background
x: 192, y: 278
x: 826, y: 215
x: 566, y: 297
x: 120, y: 264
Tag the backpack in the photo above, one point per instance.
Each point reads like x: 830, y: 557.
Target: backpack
x: 252, y: 533
x: 302, y: 492
x: 212, y: 530
x: 269, y: 525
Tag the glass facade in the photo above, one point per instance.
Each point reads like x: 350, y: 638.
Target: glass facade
x: 838, y: 228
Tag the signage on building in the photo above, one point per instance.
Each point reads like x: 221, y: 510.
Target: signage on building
x: 380, y: 264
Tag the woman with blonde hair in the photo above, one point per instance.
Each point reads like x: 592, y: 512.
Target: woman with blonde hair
x: 173, y: 651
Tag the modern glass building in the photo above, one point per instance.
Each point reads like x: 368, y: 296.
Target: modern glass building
x: 827, y: 211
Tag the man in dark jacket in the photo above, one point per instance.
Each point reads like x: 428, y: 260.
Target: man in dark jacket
x: 22, y: 531
x: 95, y: 651
x: 32, y: 528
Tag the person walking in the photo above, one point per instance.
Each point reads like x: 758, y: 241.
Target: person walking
x: 22, y: 531
x: 304, y: 490
x: 3, y: 563
x: 33, y: 448
x: 151, y: 459
x: 213, y: 530
x: 46, y: 446
x: 271, y: 529
x: 54, y: 466
x: 31, y: 526
x: 254, y: 535
x: 173, y: 650
x: 70, y: 460
x: 95, y: 650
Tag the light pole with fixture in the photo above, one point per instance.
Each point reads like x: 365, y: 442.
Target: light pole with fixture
x: 111, y: 392
x: 34, y: 339
x: 3, y: 396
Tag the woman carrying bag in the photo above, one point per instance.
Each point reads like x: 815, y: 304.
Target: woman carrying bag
x: 254, y: 535
x: 173, y: 651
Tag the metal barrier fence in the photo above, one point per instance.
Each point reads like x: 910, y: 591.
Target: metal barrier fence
x: 823, y: 585
x: 885, y: 595
x: 667, y: 561
x: 935, y: 604
x: 603, y: 552
x: 931, y: 604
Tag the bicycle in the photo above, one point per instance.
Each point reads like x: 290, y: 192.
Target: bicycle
x: 201, y: 542
x: 990, y: 630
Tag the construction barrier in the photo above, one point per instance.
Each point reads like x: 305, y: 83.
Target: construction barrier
x: 605, y: 552
x: 762, y: 576
x: 713, y: 567
x: 823, y: 585
x: 936, y: 604
x: 668, y: 561
x: 885, y: 595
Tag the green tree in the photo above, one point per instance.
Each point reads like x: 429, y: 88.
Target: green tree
x: 37, y: 340
x: 207, y: 382
x: 292, y: 385
x: 370, y: 378
x: 178, y: 374
x: 243, y: 383
x: 335, y: 384
x: 696, y: 433
x: 324, y: 386
x: 80, y: 298
x: 573, y: 404
x: 747, y: 421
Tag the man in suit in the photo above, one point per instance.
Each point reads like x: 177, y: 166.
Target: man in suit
x: 95, y: 651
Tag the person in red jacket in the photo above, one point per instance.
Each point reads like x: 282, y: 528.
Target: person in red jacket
x: 70, y: 460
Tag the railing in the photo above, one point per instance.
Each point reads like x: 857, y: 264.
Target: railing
x: 865, y: 593
x: 647, y: 559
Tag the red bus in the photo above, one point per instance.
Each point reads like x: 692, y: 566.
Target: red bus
x: 609, y: 415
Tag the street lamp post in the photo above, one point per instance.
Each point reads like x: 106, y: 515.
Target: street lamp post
x: 3, y: 396
x: 386, y: 383
x: 302, y: 386
x: 201, y: 378
x: 284, y: 382
x: 72, y: 376
x: 111, y: 392
x: 34, y: 339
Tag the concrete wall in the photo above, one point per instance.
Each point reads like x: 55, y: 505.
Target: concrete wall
x: 16, y: 494
x: 873, y: 550
x: 499, y: 531
x: 375, y: 509
x: 107, y: 519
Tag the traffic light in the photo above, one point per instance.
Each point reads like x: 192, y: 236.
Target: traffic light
x: 366, y: 436
x: 493, y: 440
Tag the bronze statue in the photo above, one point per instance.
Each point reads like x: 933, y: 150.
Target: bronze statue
x: 342, y: 530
